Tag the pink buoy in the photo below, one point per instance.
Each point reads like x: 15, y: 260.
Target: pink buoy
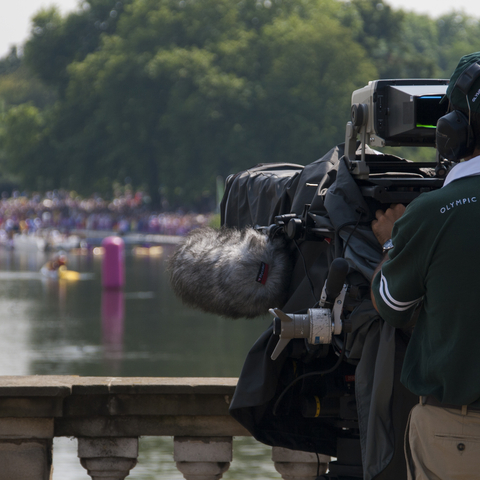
x: 113, y: 265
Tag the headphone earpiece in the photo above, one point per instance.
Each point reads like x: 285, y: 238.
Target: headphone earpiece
x: 454, y: 136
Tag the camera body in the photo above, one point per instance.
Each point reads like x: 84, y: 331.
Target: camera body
x: 327, y: 364
x: 324, y: 377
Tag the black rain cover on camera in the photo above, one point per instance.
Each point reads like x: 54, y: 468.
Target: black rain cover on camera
x: 254, y: 410
x: 255, y: 197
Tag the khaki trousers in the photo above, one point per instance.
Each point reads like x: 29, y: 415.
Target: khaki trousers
x: 442, y: 444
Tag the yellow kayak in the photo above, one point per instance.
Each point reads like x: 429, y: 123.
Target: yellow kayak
x: 61, y: 273
x: 65, y: 274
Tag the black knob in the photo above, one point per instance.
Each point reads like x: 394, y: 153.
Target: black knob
x: 294, y: 228
x: 359, y: 114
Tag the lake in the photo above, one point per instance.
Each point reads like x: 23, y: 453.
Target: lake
x: 51, y: 327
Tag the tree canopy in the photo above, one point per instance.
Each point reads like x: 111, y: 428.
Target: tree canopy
x: 171, y: 94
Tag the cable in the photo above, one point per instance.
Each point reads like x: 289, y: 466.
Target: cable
x: 311, y: 374
x: 361, y: 211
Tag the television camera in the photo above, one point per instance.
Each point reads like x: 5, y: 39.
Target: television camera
x: 324, y: 377
x: 384, y: 113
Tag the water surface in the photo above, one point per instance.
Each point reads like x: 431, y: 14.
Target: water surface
x: 51, y: 327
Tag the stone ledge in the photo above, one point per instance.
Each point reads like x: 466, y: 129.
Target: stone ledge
x: 155, y: 426
x: 65, y: 385
x: 147, y: 404
x: 31, y: 406
x: 35, y: 386
x: 123, y: 407
x: 29, y: 428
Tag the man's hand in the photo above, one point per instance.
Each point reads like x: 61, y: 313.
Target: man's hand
x: 383, y: 225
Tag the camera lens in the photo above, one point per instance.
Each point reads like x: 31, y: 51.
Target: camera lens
x: 312, y: 406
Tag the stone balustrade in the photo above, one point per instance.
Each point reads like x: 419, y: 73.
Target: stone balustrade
x: 107, y: 415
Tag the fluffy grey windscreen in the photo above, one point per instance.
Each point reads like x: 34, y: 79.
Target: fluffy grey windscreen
x: 232, y: 273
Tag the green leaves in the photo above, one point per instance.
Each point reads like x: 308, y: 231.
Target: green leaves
x: 173, y: 93
x: 25, y: 136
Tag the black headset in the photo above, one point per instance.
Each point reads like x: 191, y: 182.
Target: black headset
x: 454, y: 134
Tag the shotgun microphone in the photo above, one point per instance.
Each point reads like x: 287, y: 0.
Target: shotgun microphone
x: 232, y: 273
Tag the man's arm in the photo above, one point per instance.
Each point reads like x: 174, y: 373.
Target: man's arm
x: 382, y: 228
x: 376, y: 271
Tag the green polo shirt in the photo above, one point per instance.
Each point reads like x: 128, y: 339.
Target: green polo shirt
x: 436, y: 260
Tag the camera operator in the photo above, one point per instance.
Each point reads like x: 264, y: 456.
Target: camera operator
x: 431, y: 268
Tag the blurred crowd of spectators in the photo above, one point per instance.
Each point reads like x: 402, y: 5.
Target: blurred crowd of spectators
x: 68, y: 212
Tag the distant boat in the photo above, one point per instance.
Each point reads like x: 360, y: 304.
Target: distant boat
x: 47, y: 273
x: 60, y: 273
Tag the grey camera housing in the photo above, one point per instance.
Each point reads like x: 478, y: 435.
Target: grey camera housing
x: 394, y: 113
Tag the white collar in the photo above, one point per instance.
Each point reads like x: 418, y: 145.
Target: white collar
x: 464, y: 169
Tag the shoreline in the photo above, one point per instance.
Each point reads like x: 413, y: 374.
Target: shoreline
x: 133, y: 238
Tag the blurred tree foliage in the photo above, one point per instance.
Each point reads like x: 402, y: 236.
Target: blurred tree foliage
x: 171, y: 94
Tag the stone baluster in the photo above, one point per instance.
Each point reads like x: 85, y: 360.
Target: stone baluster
x: 296, y: 465
x: 202, y: 458
x: 26, y: 448
x: 109, y: 458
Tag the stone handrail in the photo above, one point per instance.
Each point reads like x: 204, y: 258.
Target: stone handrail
x: 108, y: 414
